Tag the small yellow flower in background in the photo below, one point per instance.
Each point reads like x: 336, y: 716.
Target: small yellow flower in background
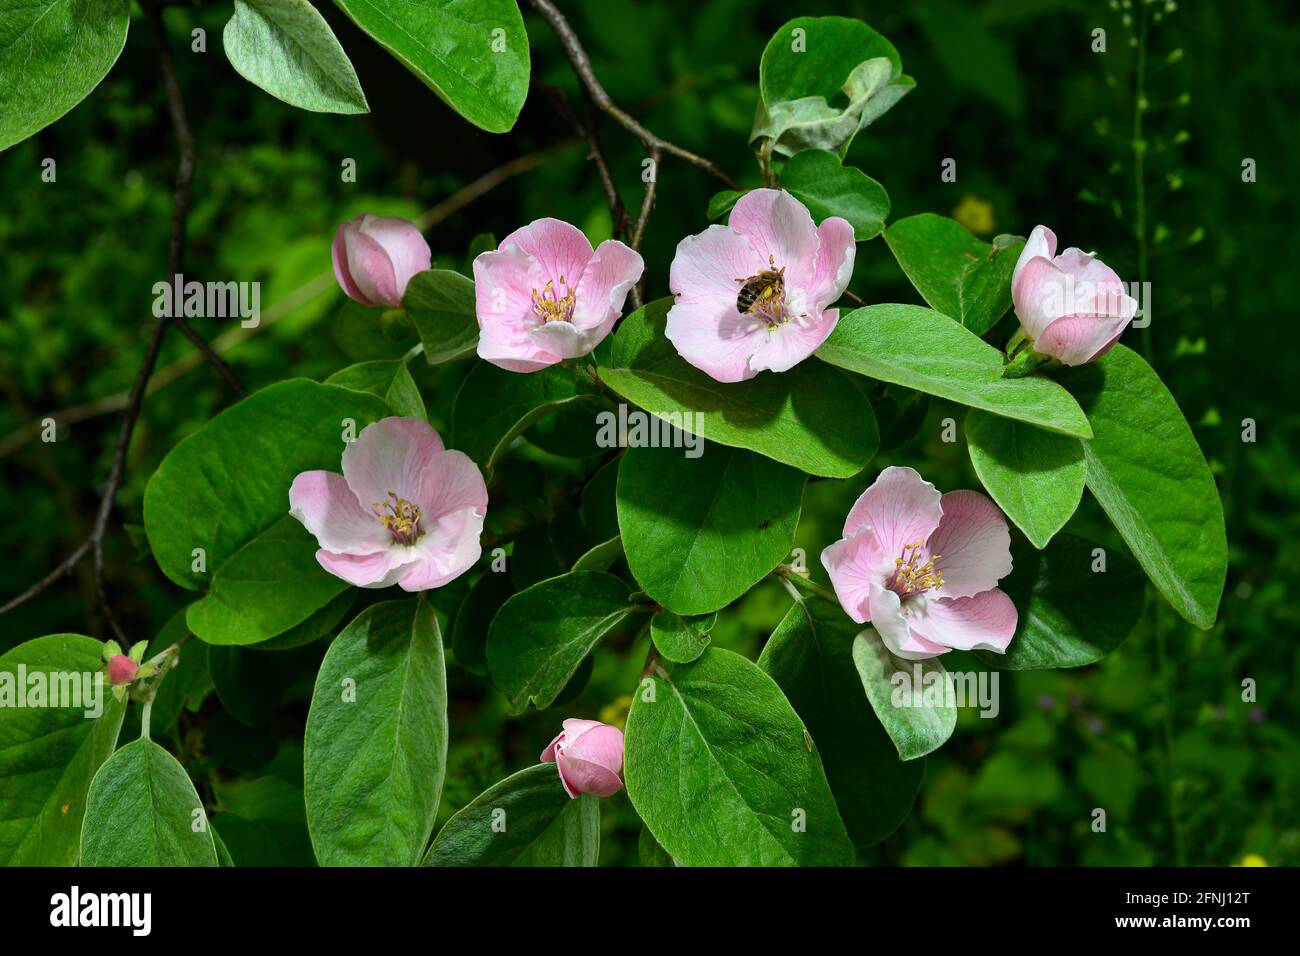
x: 615, y: 712
x: 1253, y: 859
x: 975, y: 214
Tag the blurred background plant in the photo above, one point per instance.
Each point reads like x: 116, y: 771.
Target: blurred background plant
x: 1137, y: 152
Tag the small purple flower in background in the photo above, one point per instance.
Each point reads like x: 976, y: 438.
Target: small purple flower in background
x: 1072, y: 307
x: 1046, y: 701
x: 589, y: 756
x: 755, y: 294
x: 923, y: 567
x: 544, y: 296
x: 405, y: 511
x: 376, y: 256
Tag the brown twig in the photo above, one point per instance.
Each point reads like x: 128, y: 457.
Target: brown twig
x: 586, y: 128
x: 578, y: 58
x: 94, y: 544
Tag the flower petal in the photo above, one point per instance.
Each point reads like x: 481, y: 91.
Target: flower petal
x: 782, y: 348
x: 972, y: 544
x: 900, y: 507
x: 714, y: 337
x: 1079, y: 339
x: 582, y: 776
x: 560, y: 248
x: 985, y: 622
x: 601, y: 745
x: 1041, y: 243
x: 780, y: 229
x: 1039, y: 294
x: 370, y: 268
x: 390, y: 455
x: 713, y: 265
x: 549, y: 754
x: 610, y: 273
x: 328, y: 509
x: 378, y: 570
x: 853, y: 563
x: 564, y: 340
x: 451, y: 482
x: 402, y: 242
x: 445, y: 551
x: 339, y: 256
x: 833, y: 267
x: 891, y: 622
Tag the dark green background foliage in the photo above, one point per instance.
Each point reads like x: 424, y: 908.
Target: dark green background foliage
x: 1040, y: 128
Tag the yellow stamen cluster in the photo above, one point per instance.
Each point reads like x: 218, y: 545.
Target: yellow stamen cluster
x: 550, y: 306
x: 913, y: 578
x: 400, y: 517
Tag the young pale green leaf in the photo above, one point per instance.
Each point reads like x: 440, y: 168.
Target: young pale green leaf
x: 811, y: 417
x: 49, y: 754
x: 1076, y: 602
x: 525, y: 820
x: 469, y: 631
x: 810, y: 656
x: 812, y: 62
x: 720, y: 203
x: 143, y: 811
x: 390, y: 379
x: 541, y: 635
x: 723, y: 772
x: 440, y: 302
x: 494, y: 406
x: 1035, y: 476
x: 272, y: 584
x: 819, y: 180
x: 287, y: 48
x: 474, y: 56
x: 922, y: 349
x: 375, y: 749
x: 53, y: 53
x: 914, y: 707
x: 1150, y: 476
x: 956, y: 273
x: 681, y: 639
x: 601, y: 556
x: 229, y: 482
x: 698, y: 533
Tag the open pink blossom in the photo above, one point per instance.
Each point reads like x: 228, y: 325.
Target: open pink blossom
x: 544, y: 296
x: 1072, y: 307
x: 754, y: 294
x: 923, y: 567
x: 376, y: 256
x: 589, y: 755
x: 405, y: 511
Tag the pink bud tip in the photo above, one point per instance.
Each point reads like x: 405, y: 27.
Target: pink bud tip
x: 121, y: 670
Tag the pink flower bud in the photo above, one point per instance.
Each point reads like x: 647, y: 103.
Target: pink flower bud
x: 375, y: 257
x: 589, y: 755
x: 121, y: 670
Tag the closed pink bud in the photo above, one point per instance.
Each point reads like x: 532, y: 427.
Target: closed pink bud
x: 121, y: 670
x: 589, y: 755
x: 376, y: 256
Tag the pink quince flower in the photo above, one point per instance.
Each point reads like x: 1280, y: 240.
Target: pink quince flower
x: 544, y: 296
x: 1073, y: 307
x: 923, y: 567
x: 589, y: 755
x: 121, y: 670
x: 405, y: 511
x: 376, y: 256
x: 754, y: 294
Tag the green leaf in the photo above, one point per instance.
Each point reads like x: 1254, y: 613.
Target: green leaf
x: 810, y: 656
x: 819, y: 180
x: 1034, y: 475
x: 53, y: 53
x: 48, y: 755
x: 919, y: 348
x: 143, y: 811
x: 469, y: 631
x: 601, y: 556
x: 806, y: 66
x: 1069, y: 614
x: 525, y: 820
x: 322, y: 621
x: 389, y: 379
x: 1150, y: 476
x: 229, y: 482
x: 269, y: 586
x: 723, y: 772
x: 376, y: 743
x: 441, y: 304
x: 494, y: 406
x: 473, y: 55
x: 811, y: 417
x: 681, y: 639
x: 287, y: 48
x: 264, y: 823
x: 699, y: 533
x: 956, y: 273
x: 541, y: 635
x: 720, y: 203
x: 918, y: 722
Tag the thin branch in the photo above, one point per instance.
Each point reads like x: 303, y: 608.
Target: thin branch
x: 587, y: 76
x: 135, y: 399
x: 586, y: 128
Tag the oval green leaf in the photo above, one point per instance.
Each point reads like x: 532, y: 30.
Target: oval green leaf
x: 918, y: 722
x: 681, y: 639
x: 389, y: 379
x: 819, y: 180
x: 440, y: 302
